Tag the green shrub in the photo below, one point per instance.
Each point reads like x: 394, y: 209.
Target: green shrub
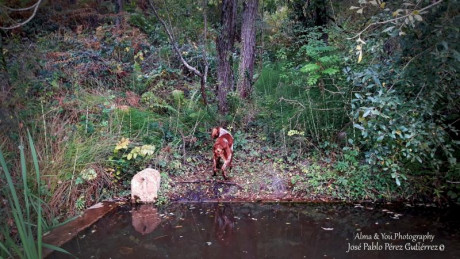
x: 128, y: 159
x: 306, y: 91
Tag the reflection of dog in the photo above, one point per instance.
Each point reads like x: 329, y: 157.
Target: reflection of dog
x: 223, y: 149
x: 224, y: 224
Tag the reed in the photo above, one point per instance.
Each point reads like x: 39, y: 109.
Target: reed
x: 25, y: 208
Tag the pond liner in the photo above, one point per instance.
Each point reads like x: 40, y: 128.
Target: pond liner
x: 62, y: 234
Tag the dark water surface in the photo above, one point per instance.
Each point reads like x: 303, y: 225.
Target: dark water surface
x: 255, y: 230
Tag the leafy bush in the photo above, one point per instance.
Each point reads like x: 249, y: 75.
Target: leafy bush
x: 402, y: 107
x: 127, y: 159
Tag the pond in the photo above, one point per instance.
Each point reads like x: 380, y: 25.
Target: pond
x: 272, y: 230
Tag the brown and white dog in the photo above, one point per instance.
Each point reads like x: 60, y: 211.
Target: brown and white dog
x: 223, y: 149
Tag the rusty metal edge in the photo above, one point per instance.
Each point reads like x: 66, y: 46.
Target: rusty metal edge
x: 62, y: 234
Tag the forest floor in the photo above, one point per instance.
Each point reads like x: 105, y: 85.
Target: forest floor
x: 260, y: 172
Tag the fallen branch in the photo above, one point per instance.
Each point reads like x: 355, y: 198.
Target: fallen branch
x: 211, y: 181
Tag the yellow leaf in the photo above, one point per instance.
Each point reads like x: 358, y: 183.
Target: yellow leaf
x: 130, y: 155
x: 360, y: 57
x: 418, y: 17
x: 122, y: 144
x: 382, y: 5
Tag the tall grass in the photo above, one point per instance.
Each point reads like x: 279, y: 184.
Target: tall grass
x: 26, y: 211
x: 289, y: 104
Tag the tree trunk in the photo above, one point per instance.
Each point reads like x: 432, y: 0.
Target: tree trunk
x: 204, y: 76
x: 118, y: 10
x: 248, y: 47
x: 4, y: 77
x: 225, y: 42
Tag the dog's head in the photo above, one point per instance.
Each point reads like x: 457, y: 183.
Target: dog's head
x: 215, y: 132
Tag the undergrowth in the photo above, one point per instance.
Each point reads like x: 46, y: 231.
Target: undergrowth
x: 91, y: 89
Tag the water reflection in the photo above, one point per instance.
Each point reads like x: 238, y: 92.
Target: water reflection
x: 210, y: 230
x: 145, y: 219
x: 223, y: 223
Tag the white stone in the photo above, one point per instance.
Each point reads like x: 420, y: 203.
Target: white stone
x: 145, y: 186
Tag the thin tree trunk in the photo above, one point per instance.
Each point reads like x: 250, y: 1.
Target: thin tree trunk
x: 224, y: 43
x: 248, y: 47
x: 204, y: 77
x: 4, y: 77
x: 118, y: 10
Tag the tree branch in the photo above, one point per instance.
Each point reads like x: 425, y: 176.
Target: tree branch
x: 34, y: 6
x: 19, y: 9
x: 393, y: 20
x: 173, y: 42
x: 211, y: 181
